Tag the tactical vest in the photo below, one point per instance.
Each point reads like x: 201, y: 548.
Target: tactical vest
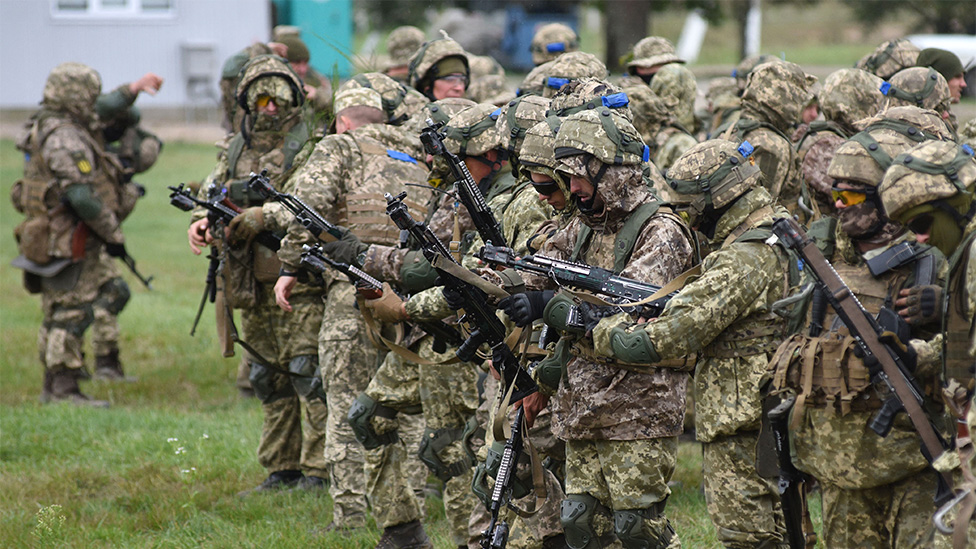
x: 52, y: 230
x: 956, y: 324
x: 364, y: 211
x: 238, y: 190
x: 824, y: 371
x: 624, y: 240
x: 819, y: 126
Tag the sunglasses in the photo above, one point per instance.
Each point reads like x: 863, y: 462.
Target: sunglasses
x: 263, y: 100
x: 545, y: 188
x: 454, y: 79
x: 921, y: 224
x: 850, y: 197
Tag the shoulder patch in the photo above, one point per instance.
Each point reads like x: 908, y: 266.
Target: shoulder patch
x: 81, y: 161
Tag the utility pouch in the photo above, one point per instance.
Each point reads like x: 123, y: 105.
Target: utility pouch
x: 266, y: 264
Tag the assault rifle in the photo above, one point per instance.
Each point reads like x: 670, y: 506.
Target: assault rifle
x: 792, y: 481
x: 884, y: 364
x: 618, y: 289
x: 478, y: 315
x: 496, y: 535
x: 468, y: 191
x: 220, y: 210
x: 315, y: 260
x: 305, y: 214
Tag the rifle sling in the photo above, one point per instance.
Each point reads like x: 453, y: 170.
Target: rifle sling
x: 373, y: 331
x: 254, y: 353
x: 673, y: 286
x: 444, y: 264
x: 500, y: 430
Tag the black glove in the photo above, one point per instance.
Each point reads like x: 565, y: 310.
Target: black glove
x: 592, y: 314
x: 115, y: 249
x: 921, y: 305
x: 895, y: 336
x: 453, y: 297
x: 346, y: 250
x: 526, y: 307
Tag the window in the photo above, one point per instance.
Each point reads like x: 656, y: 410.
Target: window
x: 103, y: 9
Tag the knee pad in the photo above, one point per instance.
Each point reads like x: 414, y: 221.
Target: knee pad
x: 629, y: 526
x: 74, y: 320
x: 307, y: 387
x: 113, y: 295
x: 360, y: 415
x: 576, y: 514
x: 432, y: 444
x: 262, y: 381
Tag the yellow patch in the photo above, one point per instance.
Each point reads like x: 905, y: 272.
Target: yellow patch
x: 84, y: 166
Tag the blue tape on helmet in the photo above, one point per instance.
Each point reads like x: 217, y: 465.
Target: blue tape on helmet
x: 555, y: 82
x: 746, y: 149
x: 885, y: 87
x: 615, y: 100
x: 735, y: 72
x: 397, y: 155
x: 968, y: 150
x: 498, y: 112
x: 555, y: 47
x: 647, y: 154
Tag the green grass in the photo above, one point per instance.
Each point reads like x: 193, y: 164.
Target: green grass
x: 162, y: 466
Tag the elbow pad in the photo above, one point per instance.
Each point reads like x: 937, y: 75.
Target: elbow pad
x: 83, y: 200
x: 635, y: 347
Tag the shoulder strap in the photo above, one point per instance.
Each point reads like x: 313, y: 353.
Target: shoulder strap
x: 294, y: 141
x: 623, y: 244
x: 234, y: 149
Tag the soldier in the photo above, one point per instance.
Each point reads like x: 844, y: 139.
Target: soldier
x: 552, y: 40
x: 569, y: 67
x: 620, y: 448
x: 535, y: 80
x: 929, y: 189
x: 488, y: 83
x: 775, y: 94
x: 649, y: 56
x: 318, y: 88
x: 344, y: 179
x: 137, y: 150
x: 723, y: 104
x: 923, y: 87
x: 869, y: 483
x: 271, y: 134
x: 726, y: 316
x: 848, y: 96
x: 401, y: 44
x: 69, y: 195
x: 400, y: 103
x: 439, y: 69
x: 889, y: 58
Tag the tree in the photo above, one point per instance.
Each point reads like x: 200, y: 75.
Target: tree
x: 940, y: 16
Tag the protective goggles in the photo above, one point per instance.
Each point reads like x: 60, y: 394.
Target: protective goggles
x: 454, y: 79
x: 850, y: 197
x: 263, y: 100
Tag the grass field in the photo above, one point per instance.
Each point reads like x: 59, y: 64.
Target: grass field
x: 162, y: 466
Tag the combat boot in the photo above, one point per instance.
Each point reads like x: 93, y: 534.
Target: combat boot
x: 277, y: 480
x: 109, y: 368
x: 62, y: 386
x: 410, y: 535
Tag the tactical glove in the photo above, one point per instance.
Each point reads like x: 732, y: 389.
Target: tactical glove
x: 246, y: 225
x: 526, y: 307
x: 922, y: 305
x: 894, y: 335
x: 346, y: 250
x: 388, y: 307
x: 453, y: 297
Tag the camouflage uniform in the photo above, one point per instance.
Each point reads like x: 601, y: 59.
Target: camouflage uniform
x: 344, y: 179
x: 723, y: 104
x: 869, y: 483
x: 848, y: 95
x: 488, y: 83
x: 286, y: 341
x: 401, y: 43
x: 620, y: 426
x: 774, y: 97
x: 400, y: 103
x: 938, y: 182
x: 69, y: 194
x: 725, y: 315
x: 552, y: 40
x: 535, y: 80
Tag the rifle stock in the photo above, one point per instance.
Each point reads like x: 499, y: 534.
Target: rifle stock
x: 305, y: 214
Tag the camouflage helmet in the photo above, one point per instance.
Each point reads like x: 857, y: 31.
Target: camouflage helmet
x: 441, y: 111
x: 650, y: 112
x: 676, y: 85
x: 780, y: 91
x: 587, y: 94
x: 572, y: 66
x: 516, y: 117
x: 967, y: 133
x: 426, y: 63
x: 723, y: 93
x: 484, y: 65
x: 473, y: 131
x: 602, y: 133
x: 920, y: 86
x: 552, y: 40
x: 889, y: 58
x: 849, y: 95
x: 535, y: 81
x: 402, y: 42
x: 745, y: 67
x: 399, y: 102
x: 919, y: 124
x: 73, y: 88
x: 290, y: 93
x: 929, y: 172
x: 652, y: 51
x: 538, y: 155
x: 711, y: 175
x: 491, y: 88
